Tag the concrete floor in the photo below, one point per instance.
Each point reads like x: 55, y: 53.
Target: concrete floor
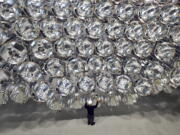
x: 154, y: 115
x: 151, y: 123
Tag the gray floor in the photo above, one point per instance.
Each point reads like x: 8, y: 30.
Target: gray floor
x: 136, y: 124
x: 154, y: 115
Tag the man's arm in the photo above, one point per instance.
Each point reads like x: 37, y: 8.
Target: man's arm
x: 96, y: 104
x: 85, y: 105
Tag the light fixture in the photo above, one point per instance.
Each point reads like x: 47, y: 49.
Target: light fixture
x: 67, y: 52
